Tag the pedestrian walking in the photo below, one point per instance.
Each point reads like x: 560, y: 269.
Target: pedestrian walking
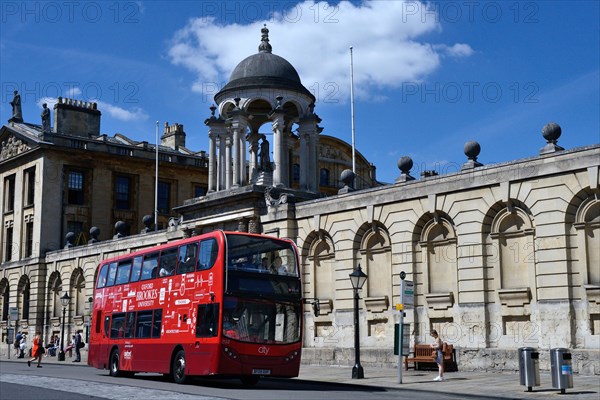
x: 23, y: 345
x: 38, y: 350
x: 438, y: 347
x: 78, y: 345
x: 17, y: 344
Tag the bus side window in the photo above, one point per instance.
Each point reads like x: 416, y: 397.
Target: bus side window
x: 207, y: 324
x: 112, y: 273
x: 135, y: 270
x: 130, y: 324
x: 187, y: 258
x: 149, y: 267
x: 143, y: 324
x: 106, y: 325
x: 102, y: 276
x: 208, y: 254
x: 157, y: 323
x: 123, y: 272
x: 117, y: 329
x: 168, y: 262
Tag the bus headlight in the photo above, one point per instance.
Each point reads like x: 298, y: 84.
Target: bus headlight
x: 291, y: 356
x: 231, y: 353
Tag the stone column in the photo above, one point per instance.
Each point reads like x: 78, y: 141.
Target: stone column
x: 216, y: 128
x: 235, y: 127
x: 227, y: 160
x: 253, y: 149
x: 242, y: 145
x: 280, y: 175
x: 212, y: 162
x: 313, y: 165
x: 222, y: 162
x: 308, y: 157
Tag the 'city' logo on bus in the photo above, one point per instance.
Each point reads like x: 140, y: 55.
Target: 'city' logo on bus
x: 263, y: 350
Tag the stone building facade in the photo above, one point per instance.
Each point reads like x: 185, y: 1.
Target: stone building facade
x: 502, y: 256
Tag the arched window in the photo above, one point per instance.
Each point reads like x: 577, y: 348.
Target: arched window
x: 513, y: 236
x: 4, y: 298
x: 78, y: 292
x: 324, y: 177
x: 23, y: 295
x: 54, y: 289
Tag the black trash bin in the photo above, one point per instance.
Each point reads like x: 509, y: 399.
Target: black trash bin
x: 529, y: 367
x: 561, y: 368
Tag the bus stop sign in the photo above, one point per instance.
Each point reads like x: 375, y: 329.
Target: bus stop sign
x: 407, y: 293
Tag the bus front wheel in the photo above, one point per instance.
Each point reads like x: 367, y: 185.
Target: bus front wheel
x: 114, y: 364
x: 178, y: 368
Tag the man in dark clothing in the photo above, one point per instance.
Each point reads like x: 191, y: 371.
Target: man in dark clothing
x: 17, y: 344
x: 78, y: 346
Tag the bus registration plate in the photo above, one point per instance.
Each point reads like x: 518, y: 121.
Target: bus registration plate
x: 261, y: 372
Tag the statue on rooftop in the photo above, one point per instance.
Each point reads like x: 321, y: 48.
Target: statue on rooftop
x: 45, y: 118
x: 17, y: 114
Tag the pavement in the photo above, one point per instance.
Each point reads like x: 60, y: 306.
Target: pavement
x: 463, y: 384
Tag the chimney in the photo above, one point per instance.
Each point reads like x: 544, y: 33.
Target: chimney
x: 76, y: 117
x: 173, y: 136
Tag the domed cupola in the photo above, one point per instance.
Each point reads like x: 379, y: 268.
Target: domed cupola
x: 264, y: 90
x: 263, y: 70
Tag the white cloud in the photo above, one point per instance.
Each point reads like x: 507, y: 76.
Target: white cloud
x: 315, y: 38
x: 135, y: 114
x: 457, y: 50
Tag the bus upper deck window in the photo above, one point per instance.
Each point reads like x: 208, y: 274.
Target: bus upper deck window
x: 102, y: 276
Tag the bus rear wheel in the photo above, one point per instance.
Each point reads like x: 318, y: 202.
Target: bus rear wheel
x: 178, y: 368
x: 114, y: 364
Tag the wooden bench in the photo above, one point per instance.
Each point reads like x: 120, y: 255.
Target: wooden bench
x: 422, y: 353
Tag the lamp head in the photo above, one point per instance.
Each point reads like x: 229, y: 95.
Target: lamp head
x: 65, y: 299
x: 358, y: 278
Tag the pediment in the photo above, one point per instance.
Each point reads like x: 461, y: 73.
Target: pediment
x: 13, y: 143
x: 12, y: 146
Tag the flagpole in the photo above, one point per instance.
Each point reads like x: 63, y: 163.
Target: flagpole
x: 156, y: 184
x: 352, y: 110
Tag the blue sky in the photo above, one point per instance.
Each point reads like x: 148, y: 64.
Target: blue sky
x: 428, y: 77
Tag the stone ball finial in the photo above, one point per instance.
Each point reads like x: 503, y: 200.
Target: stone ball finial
x: 405, y: 164
x: 120, y: 227
x: 70, y: 238
x: 347, y: 176
x: 472, y: 149
x: 147, y: 220
x: 551, y: 132
x: 94, y: 232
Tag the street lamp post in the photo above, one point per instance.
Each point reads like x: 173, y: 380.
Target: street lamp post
x: 64, y: 300
x: 89, y: 321
x: 358, y: 279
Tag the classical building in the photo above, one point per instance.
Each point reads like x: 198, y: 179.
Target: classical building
x: 501, y: 256
x: 70, y: 185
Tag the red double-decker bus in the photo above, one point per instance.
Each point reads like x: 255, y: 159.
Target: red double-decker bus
x: 223, y: 303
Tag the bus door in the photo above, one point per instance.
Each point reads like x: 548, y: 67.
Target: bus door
x: 207, y: 331
x: 103, y: 343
